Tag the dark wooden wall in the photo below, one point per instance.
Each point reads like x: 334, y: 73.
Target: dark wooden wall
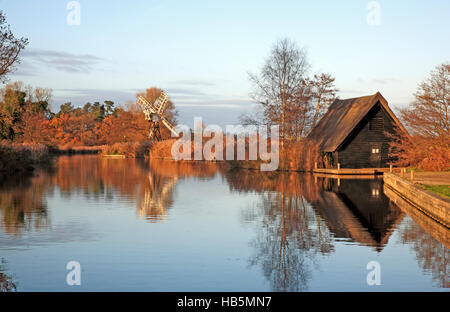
x: 356, y: 152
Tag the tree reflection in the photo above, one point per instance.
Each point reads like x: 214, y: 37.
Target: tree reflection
x: 6, y: 282
x: 297, y: 217
x: 148, y: 184
x: 21, y: 204
x: 289, y: 233
x: 429, y: 240
x: 432, y: 256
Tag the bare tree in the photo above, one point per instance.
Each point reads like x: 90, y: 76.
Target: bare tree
x: 10, y: 48
x: 280, y: 86
x: 323, y: 93
x: 287, y: 96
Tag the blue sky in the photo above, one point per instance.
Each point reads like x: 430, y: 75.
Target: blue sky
x: 201, y: 51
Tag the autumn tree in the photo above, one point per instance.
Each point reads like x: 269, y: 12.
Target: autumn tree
x: 22, y: 109
x: 12, y: 104
x: 10, y: 48
x: 427, y: 121
x: 125, y: 125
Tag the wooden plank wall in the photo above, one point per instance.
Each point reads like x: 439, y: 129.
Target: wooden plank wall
x: 356, y: 152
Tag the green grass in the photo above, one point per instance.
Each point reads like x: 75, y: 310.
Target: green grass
x: 438, y: 189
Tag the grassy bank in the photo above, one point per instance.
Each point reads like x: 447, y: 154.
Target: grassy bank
x: 436, y: 182
x: 16, y: 157
x: 443, y: 190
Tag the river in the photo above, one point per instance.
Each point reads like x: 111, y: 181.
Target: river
x: 140, y: 225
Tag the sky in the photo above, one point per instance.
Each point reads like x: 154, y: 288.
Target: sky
x: 200, y: 52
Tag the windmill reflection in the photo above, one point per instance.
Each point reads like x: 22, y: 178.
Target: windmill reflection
x: 158, y: 197
x: 149, y: 184
x: 159, y: 190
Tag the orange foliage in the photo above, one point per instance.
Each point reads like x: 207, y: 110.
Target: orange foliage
x: 293, y: 156
x: 420, y: 152
x: 126, y: 126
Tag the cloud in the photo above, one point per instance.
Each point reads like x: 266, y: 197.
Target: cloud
x: 185, y: 92
x: 384, y: 80
x: 61, y: 61
x: 202, y: 83
x: 219, y: 102
x: 25, y: 68
x: 81, y: 96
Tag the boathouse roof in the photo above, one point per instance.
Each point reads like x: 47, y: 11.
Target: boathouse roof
x: 342, y: 118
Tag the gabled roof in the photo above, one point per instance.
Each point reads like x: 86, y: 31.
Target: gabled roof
x: 342, y: 117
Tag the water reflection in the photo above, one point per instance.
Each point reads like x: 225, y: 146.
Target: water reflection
x: 163, y: 176
x: 429, y: 240
x: 299, y: 216
x: 6, y: 282
x: 21, y: 203
x: 288, y: 232
x: 357, y: 209
x: 295, y: 219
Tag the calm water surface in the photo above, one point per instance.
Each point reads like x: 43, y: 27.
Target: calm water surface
x: 138, y: 225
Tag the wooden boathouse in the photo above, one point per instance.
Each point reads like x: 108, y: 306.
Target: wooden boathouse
x: 353, y: 135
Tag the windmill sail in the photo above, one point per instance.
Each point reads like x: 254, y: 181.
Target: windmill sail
x: 156, y: 110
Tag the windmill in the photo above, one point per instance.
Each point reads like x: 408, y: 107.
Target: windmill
x: 155, y: 113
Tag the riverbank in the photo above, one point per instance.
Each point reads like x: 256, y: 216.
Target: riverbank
x: 434, y: 205
x: 21, y: 157
x: 76, y: 149
x: 298, y: 156
x: 127, y: 149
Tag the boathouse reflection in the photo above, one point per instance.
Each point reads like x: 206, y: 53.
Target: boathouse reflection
x: 357, y: 209
x: 299, y: 215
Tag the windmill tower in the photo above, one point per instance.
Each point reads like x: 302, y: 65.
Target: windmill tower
x: 154, y: 113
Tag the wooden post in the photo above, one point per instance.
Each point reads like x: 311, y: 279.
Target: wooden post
x: 412, y: 175
x: 339, y: 166
x: 390, y: 168
x: 315, y: 165
x: 401, y: 172
x: 339, y: 182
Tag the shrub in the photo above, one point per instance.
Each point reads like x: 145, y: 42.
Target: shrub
x: 128, y: 149
x: 21, y: 156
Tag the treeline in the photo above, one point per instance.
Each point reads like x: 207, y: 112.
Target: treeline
x: 26, y: 117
